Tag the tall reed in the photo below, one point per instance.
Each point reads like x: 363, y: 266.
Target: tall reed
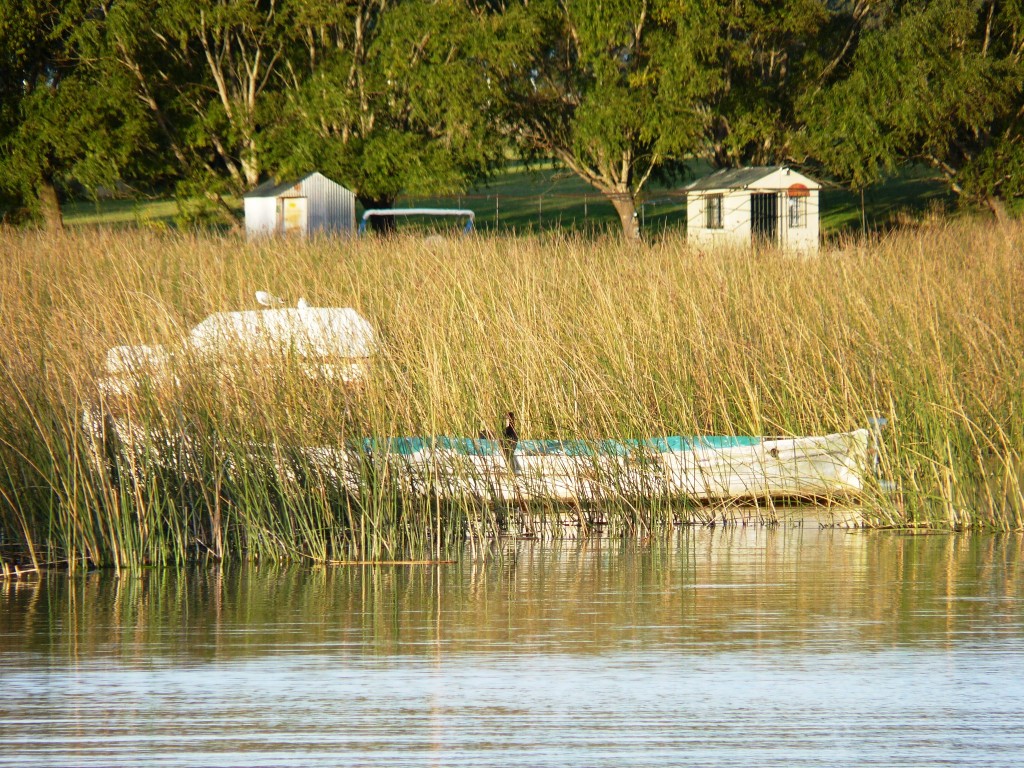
x: 580, y: 337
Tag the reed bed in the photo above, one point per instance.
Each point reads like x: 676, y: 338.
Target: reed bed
x: 580, y: 337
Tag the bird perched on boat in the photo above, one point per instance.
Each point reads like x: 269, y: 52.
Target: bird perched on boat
x: 265, y: 299
x: 509, y: 438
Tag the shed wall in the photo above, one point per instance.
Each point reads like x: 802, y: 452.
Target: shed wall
x: 736, y: 214
x: 806, y: 237
x: 260, y: 216
x: 332, y: 208
x: 735, y: 228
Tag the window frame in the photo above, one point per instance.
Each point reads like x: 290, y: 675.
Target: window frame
x: 713, y: 218
x: 797, y: 211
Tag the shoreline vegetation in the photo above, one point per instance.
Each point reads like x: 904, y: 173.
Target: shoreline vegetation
x: 582, y: 337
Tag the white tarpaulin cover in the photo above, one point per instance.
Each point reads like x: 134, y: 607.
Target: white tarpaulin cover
x: 306, y: 331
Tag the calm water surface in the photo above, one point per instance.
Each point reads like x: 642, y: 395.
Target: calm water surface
x: 736, y: 647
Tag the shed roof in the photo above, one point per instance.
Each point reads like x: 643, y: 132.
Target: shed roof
x: 273, y: 187
x: 738, y: 178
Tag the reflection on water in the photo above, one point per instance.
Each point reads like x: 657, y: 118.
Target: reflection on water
x: 788, y: 646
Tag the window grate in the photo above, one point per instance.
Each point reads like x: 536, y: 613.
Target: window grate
x: 713, y: 212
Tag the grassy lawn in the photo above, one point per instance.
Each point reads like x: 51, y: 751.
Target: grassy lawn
x: 121, y: 212
x: 547, y: 197
x: 912, y: 193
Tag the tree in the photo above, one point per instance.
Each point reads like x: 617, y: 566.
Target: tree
x: 769, y: 54
x: 206, y: 73
x: 61, y: 120
x: 613, y: 90
x: 617, y: 91
x: 386, y: 96
x: 401, y: 97
x: 940, y: 82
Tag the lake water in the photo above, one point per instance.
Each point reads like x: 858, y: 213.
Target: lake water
x: 728, y: 647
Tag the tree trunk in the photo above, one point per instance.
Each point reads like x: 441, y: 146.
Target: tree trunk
x: 626, y: 208
x: 251, y: 164
x: 998, y: 208
x: 232, y: 219
x: 49, y: 206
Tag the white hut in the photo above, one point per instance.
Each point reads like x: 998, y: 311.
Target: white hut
x: 770, y: 205
x: 300, y: 207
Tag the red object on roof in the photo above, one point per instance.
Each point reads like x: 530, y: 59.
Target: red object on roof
x: 798, y: 190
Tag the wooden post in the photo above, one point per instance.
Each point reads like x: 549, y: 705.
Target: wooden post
x: 863, y: 215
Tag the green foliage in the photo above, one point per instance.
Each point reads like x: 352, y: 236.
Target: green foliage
x: 421, y: 97
x: 612, y: 90
x: 939, y: 82
x: 620, y: 91
x: 766, y: 55
x: 204, y: 72
x: 401, y: 100
x: 59, y: 122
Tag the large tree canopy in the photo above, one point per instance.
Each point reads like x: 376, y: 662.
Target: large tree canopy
x: 618, y: 90
x: 938, y: 81
x: 613, y: 90
x: 206, y: 73
x: 386, y: 96
x: 59, y: 121
x: 425, y: 96
x: 401, y: 97
x: 768, y: 53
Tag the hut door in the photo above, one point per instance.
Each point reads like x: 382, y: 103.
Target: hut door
x: 294, y: 215
x: 764, y: 218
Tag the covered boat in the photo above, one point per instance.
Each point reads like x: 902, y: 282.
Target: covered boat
x: 338, y: 342
x: 333, y: 342
x: 704, y: 469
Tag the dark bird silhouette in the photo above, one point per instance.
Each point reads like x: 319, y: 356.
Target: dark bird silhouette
x: 509, y: 438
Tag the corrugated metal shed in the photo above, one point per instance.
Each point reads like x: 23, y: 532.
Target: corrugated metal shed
x: 311, y: 204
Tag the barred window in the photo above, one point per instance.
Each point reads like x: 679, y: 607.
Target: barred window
x: 797, y: 212
x: 713, y: 212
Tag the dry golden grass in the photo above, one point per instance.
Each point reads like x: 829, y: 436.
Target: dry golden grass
x: 580, y: 337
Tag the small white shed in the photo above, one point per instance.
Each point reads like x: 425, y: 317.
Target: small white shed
x: 300, y: 207
x: 767, y: 205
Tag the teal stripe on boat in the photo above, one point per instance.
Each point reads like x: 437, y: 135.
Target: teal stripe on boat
x: 554, y: 448
x: 402, y: 446
x: 677, y: 444
x: 407, y: 446
x: 467, y: 446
